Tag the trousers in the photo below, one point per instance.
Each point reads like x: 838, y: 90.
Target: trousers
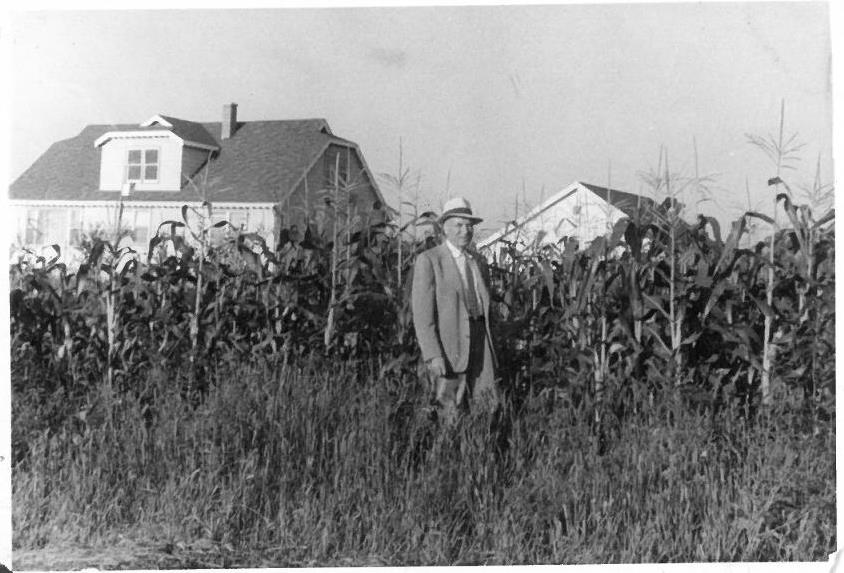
x: 474, y: 386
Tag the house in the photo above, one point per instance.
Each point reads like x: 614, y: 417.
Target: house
x: 262, y: 176
x: 580, y: 212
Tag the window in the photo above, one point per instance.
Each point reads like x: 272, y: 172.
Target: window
x: 75, y: 238
x: 238, y: 218
x: 140, y: 227
x: 47, y: 227
x: 216, y: 234
x: 32, y: 236
x: 142, y: 165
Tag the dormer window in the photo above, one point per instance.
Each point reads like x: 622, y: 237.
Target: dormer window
x: 142, y: 165
x: 157, y: 155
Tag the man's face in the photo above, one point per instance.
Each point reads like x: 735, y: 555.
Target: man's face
x: 459, y: 231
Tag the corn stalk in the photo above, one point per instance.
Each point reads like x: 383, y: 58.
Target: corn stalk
x: 307, y: 206
x: 675, y: 315
x: 347, y: 193
x: 602, y: 360
x: 768, y: 349
x: 400, y: 189
x: 329, y: 324
x: 205, y: 220
x: 111, y: 311
x: 781, y: 152
x: 399, y: 181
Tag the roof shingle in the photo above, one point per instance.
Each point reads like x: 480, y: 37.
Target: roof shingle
x: 191, y: 131
x: 627, y: 202
x: 260, y: 163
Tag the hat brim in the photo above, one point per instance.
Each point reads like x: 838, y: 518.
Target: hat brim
x: 455, y: 214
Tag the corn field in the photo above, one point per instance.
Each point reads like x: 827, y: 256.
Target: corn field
x: 266, y: 399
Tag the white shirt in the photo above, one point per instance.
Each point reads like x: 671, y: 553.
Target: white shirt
x: 462, y: 261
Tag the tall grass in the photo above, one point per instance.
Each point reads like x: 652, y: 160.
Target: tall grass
x: 264, y: 402
x: 323, y: 463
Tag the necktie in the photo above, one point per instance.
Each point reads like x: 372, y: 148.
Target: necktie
x: 472, y: 305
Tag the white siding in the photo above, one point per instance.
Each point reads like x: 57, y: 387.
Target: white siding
x: 582, y: 215
x: 579, y: 214
x: 39, y: 225
x: 113, y: 160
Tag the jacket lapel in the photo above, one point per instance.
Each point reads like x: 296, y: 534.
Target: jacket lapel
x: 452, y: 275
x: 480, y: 284
x: 450, y: 271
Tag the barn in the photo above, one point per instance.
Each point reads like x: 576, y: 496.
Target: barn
x: 579, y: 212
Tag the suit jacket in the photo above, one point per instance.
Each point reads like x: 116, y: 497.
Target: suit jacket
x: 439, y: 309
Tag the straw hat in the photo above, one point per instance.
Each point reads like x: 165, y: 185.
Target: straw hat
x: 458, y: 207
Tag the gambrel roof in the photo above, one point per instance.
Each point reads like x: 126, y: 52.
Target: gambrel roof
x: 261, y: 162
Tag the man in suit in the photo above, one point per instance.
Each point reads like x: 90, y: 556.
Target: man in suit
x: 450, y: 302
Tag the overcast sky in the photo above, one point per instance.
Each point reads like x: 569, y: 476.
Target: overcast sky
x: 491, y: 102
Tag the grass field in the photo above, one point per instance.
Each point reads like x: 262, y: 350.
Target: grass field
x: 328, y: 464
x: 670, y: 398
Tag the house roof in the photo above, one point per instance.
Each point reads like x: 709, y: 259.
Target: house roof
x: 191, y: 131
x: 626, y: 202
x: 261, y: 162
x: 193, y: 134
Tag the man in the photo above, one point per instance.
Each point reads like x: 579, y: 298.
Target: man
x: 450, y: 301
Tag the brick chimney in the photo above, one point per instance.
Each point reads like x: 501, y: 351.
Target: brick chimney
x: 229, y: 120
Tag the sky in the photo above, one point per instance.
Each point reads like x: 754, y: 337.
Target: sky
x: 504, y: 105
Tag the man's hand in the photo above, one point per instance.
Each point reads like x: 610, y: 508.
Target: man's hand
x: 436, y: 366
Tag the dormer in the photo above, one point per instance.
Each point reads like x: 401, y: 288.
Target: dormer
x: 159, y: 154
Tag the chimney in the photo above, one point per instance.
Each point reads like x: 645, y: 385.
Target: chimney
x: 229, y: 120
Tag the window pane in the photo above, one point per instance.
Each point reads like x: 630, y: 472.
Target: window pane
x: 141, y: 235
x: 32, y: 219
x: 151, y: 156
x: 142, y: 218
x: 150, y: 173
x: 238, y: 219
x: 75, y: 227
x: 134, y: 173
x: 134, y: 156
x: 55, y: 226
